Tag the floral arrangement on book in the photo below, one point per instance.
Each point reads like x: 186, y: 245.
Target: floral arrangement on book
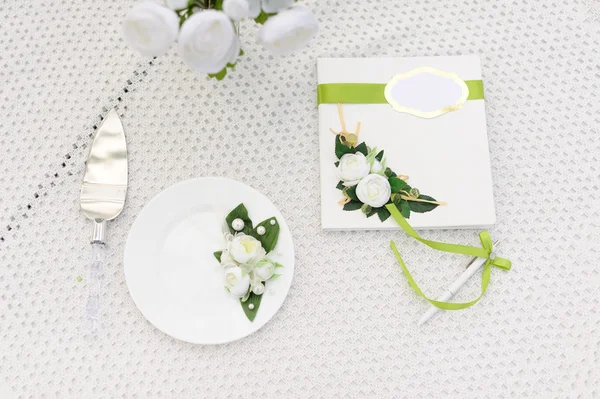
x: 207, y: 31
x: 368, y: 184
x: 245, y: 259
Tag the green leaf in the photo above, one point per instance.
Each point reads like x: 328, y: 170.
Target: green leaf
x: 351, y: 192
x: 397, y: 184
x: 239, y: 212
x: 362, y: 147
x: 337, y: 164
x: 353, y: 205
x: 252, y: 299
x: 262, y: 17
x: 383, y: 213
x: 379, y: 156
x: 218, y: 4
x: 340, y: 185
x: 422, y: 207
x: 404, y: 208
x: 219, y: 75
x: 218, y: 255
x: 373, y: 211
x: 269, y: 239
x: 342, y: 149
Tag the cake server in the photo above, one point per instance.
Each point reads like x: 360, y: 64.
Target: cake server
x: 102, y: 198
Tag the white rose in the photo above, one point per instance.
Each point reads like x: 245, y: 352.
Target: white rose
x: 374, y: 190
x: 150, y: 28
x: 264, y: 269
x: 288, y: 31
x: 237, y: 281
x: 246, y: 249
x: 177, y: 4
x: 238, y: 9
x: 207, y: 41
x: 352, y: 168
x: 273, y: 6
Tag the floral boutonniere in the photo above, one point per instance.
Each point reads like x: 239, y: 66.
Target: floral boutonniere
x: 245, y: 260
x: 368, y: 184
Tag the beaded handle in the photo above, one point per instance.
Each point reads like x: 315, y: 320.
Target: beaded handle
x: 92, y: 307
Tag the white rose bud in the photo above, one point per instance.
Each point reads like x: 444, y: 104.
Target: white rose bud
x: 207, y: 41
x: 237, y: 281
x: 150, y: 28
x: 227, y: 260
x: 238, y: 9
x: 374, y: 190
x: 288, y: 31
x: 177, y: 4
x: 377, y: 167
x: 246, y: 249
x: 258, y: 289
x: 264, y: 269
x: 273, y: 6
x: 352, y: 168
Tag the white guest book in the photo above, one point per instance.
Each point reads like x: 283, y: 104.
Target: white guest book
x: 431, y: 124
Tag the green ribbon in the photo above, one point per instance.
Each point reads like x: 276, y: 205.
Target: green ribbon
x: 484, y: 252
x: 373, y: 93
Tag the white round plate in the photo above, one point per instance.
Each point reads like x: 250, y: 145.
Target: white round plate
x: 172, y: 275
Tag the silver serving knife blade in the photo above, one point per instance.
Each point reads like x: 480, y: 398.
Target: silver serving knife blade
x: 102, y: 198
x: 104, y: 185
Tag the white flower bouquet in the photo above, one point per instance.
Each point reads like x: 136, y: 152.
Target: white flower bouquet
x: 246, y: 260
x: 206, y: 31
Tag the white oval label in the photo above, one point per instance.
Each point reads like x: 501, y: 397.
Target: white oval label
x: 426, y: 92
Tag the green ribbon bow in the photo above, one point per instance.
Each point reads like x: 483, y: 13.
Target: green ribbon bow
x: 486, y: 251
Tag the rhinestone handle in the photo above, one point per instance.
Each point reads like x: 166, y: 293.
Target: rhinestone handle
x: 92, y: 307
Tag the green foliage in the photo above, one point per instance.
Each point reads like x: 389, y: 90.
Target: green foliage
x: 340, y: 185
x: 383, y: 213
x: 351, y: 192
x: 422, y: 207
x: 362, y: 147
x: 379, y: 156
x: 262, y: 17
x: 342, y: 149
x: 240, y: 212
x: 219, y: 75
x: 353, y: 205
x: 252, y: 299
x: 218, y: 255
x: 404, y: 208
x: 269, y: 239
x: 397, y: 184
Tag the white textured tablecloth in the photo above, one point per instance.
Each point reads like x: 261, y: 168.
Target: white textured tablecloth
x: 348, y: 327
